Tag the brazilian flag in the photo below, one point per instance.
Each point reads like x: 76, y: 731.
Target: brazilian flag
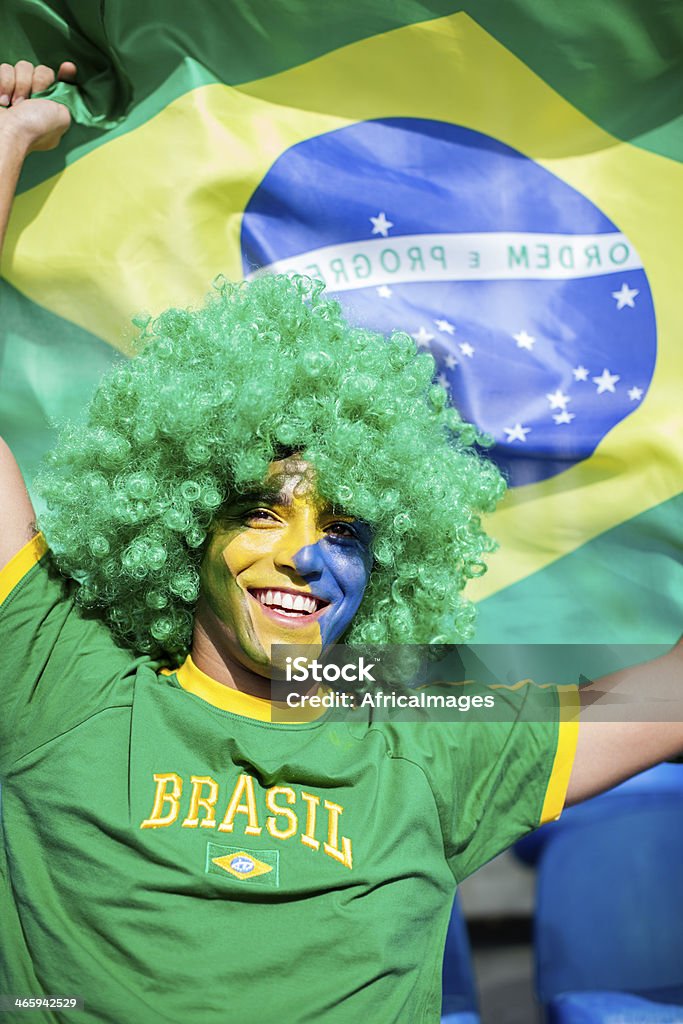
x: 502, y: 181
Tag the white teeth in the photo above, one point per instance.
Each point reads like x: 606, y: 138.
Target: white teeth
x: 287, y: 602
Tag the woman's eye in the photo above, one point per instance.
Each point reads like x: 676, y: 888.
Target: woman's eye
x: 260, y: 515
x: 345, y: 530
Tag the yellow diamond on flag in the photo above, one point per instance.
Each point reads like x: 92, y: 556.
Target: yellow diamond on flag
x: 242, y: 865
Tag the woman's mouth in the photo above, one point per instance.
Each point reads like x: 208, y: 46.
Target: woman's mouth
x: 288, y: 605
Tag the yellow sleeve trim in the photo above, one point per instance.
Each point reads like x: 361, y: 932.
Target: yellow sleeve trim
x: 17, y: 567
x: 564, y: 755
x: 224, y: 697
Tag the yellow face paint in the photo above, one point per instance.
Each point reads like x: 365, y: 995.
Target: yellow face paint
x: 282, y: 567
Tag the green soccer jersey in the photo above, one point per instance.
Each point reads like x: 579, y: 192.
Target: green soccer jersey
x: 172, y: 855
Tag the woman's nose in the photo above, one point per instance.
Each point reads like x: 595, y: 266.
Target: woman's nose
x: 309, y: 561
x: 298, y: 547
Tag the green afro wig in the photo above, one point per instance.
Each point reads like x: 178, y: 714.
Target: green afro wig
x: 214, y: 395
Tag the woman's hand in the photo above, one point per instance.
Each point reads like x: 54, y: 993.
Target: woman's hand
x: 26, y: 123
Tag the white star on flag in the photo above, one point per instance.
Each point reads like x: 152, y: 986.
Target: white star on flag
x: 423, y: 337
x: 625, y: 296
x: 380, y: 225
x: 563, y: 417
x: 467, y: 349
x: 516, y: 433
x: 384, y: 291
x: 442, y: 379
x: 580, y: 373
x: 635, y: 394
x: 558, y: 400
x: 606, y: 381
x: 524, y: 340
x: 445, y: 326
x: 451, y: 362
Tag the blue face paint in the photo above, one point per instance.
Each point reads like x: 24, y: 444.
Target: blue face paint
x: 337, y: 569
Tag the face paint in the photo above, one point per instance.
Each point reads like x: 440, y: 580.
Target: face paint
x: 337, y: 572
x: 282, y: 567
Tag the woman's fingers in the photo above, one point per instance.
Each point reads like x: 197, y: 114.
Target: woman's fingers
x: 67, y: 71
x: 43, y: 77
x: 20, y: 81
x: 6, y: 84
x: 23, y: 80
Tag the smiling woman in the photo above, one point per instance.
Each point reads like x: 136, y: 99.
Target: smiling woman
x: 146, y: 500
x: 281, y: 566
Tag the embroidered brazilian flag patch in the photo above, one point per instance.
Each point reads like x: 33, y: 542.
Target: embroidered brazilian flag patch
x: 244, y: 866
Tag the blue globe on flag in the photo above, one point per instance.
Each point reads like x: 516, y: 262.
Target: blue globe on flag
x: 534, y: 305
x: 242, y: 864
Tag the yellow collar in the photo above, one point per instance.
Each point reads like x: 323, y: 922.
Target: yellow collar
x: 226, y: 698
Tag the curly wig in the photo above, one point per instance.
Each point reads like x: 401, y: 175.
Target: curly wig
x: 214, y: 395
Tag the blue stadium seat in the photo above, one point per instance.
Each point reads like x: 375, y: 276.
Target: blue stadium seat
x: 611, y: 1008
x: 609, y: 913
x: 658, y: 783
x: 459, y: 991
